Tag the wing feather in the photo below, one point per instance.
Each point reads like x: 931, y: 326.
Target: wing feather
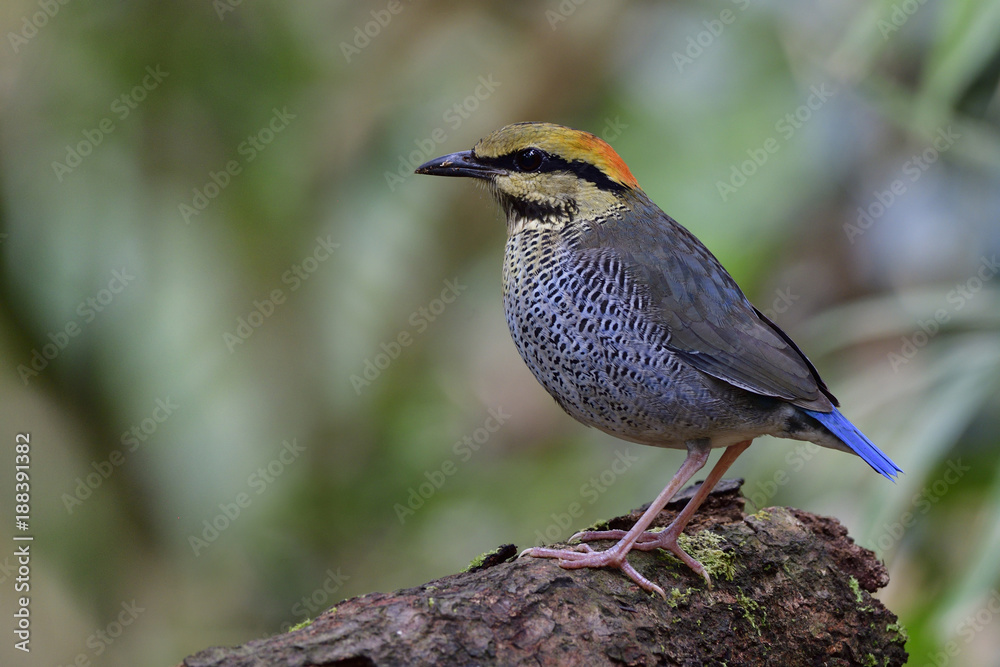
x: 704, y: 316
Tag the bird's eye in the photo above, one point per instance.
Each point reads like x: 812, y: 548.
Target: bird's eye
x: 530, y: 159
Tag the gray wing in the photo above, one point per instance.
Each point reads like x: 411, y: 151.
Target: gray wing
x: 705, y: 316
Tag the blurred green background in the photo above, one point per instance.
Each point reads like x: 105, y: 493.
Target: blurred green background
x: 222, y: 290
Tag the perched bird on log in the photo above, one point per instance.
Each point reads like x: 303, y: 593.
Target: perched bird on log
x: 635, y: 328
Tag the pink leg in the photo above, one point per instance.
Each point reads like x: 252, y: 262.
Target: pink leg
x: 637, y: 538
x: 668, y: 538
x: 584, y: 556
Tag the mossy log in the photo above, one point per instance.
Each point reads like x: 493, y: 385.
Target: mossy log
x: 789, y: 588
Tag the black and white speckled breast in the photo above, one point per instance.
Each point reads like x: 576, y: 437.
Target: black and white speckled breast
x: 581, y: 325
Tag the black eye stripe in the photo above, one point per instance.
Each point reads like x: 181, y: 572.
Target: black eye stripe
x: 553, y: 163
x: 509, y: 161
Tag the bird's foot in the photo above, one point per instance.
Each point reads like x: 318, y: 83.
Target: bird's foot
x: 583, y: 556
x: 647, y: 541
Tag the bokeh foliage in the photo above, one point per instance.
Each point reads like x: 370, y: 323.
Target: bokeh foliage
x: 324, y: 108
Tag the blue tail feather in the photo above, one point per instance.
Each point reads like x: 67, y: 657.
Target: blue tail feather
x: 849, y: 434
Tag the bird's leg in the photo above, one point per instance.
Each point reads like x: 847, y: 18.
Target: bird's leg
x: 667, y: 539
x: 584, y: 556
x: 655, y: 539
x: 637, y: 537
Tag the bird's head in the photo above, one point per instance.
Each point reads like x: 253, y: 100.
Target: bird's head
x: 544, y: 172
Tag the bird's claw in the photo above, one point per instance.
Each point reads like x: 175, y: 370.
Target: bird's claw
x: 582, y: 556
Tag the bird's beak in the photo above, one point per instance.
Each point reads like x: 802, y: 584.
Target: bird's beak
x: 458, y: 164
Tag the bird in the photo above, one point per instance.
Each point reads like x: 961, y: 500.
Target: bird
x: 635, y: 328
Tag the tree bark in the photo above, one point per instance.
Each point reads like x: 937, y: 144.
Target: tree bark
x: 789, y: 588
